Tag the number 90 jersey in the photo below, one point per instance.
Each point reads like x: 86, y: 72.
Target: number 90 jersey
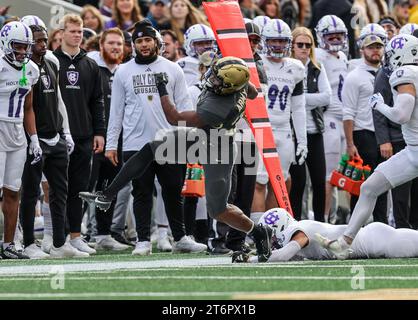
x: 282, y: 79
x: 12, y: 95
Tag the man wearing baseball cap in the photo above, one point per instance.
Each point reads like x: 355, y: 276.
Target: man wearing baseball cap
x: 157, y: 14
x: 357, y: 116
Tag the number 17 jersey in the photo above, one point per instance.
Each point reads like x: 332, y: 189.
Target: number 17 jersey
x: 282, y: 78
x: 12, y: 100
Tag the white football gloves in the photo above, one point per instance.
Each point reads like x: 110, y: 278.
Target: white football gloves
x: 375, y: 100
x: 301, y: 153
x: 70, y: 143
x: 35, y: 149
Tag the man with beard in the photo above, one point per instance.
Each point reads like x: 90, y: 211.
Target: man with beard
x: 357, y: 116
x: 170, y: 45
x: 136, y: 107
x: 56, y: 143
x: 103, y: 172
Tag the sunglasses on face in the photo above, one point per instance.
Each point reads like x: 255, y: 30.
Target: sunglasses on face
x: 301, y: 45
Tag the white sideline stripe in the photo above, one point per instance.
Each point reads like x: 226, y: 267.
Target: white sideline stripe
x: 98, y: 266
x: 154, y: 277
x: 167, y: 264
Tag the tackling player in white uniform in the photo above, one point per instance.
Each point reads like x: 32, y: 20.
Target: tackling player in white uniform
x: 297, y: 240
x: 402, y: 58
x: 199, y: 38
x: 285, y: 100
x: 332, y: 41
x: 17, y: 76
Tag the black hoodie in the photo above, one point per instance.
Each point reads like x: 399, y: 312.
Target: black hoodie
x: 82, y: 93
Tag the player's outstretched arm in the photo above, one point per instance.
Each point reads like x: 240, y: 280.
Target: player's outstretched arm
x: 299, y: 241
x: 402, y: 107
x: 190, y: 118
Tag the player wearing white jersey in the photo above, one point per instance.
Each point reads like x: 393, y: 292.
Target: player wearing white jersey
x: 297, y: 240
x: 17, y: 76
x: 285, y: 101
x: 332, y: 41
x: 401, y: 53
x: 199, y: 38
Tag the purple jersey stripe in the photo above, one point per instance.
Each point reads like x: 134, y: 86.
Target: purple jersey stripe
x: 371, y: 28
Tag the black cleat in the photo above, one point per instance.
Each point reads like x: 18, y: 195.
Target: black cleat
x: 262, y: 238
x: 96, y: 198
x: 240, y: 257
x: 11, y: 253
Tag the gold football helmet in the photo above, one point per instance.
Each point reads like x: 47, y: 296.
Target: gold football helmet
x: 229, y: 75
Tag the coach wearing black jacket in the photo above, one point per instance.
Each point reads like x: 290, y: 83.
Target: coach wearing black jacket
x: 82, y: 94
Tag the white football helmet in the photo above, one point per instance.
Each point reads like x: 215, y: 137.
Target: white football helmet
x: 33, y: 21
x: 277, y: 29
x: 328, y: 25
x: 409, y: 28
x: 16, y: 33
x: 372, y: 29
x: 261, y: 21
x: 401, y: 50
x: 278, y: 219
x: 198, y: 33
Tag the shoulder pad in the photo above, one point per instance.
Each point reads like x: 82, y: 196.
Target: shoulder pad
x: 403, y: 75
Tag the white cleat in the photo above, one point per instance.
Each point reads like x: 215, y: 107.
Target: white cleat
x: 187, y: 245
x: 81, y: 245
x: 164, y: 244
x: 339, y: 248
x: 67, y: 251
x: 142, y: 248
x: 34, y: 252
x: 108, y: 243
x: 46, y: 243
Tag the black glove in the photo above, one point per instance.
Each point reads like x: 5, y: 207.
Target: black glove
x: 161, y: 81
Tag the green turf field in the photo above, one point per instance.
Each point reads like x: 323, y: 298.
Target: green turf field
x: 199, y: 276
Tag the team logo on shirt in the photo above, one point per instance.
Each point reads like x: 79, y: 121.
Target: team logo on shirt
x: 399, y: 73
x: 182, y: 64
x: 72, y: 77
x: 46, y: 81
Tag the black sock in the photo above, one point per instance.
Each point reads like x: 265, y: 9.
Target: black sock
x: 132, y: 169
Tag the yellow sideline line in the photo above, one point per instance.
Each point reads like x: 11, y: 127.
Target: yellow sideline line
x: 378, y: 294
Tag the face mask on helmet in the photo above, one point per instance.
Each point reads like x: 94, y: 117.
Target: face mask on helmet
x: 278, y: 47
x: 279, y: 220
x: 200, y: 47
x: 228, y: 75
x: 335, y: 42
x: 16, y: 43
x: 332, y: 34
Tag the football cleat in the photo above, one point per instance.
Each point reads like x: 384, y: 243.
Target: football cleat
x: 12, y: 253
x: 240, y: 257
x: 96, y: 198
x: 262, y: 238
